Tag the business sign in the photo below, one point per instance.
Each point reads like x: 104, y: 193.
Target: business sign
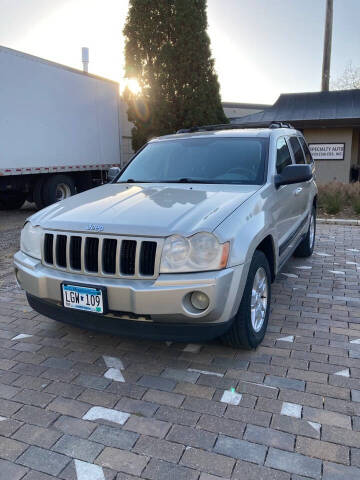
x: 327, y: 151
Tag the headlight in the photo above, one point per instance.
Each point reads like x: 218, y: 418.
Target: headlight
x: 30, y: 242
x: 198, y: 253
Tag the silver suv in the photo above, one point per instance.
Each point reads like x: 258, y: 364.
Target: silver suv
x: 183, y: 244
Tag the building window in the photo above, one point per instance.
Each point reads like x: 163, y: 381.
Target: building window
x: 297, y: 150
x: 283, y: 157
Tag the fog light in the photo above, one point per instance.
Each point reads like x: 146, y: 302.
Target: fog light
x: 199, y: 300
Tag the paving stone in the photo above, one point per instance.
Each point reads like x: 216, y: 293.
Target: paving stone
x: 248, y: 415
x: 39, y: 436
x: 294, y: 463
x: 147, y: 426
x: 164, y: 398
x: 283, y: 382
x: 294, y: 425
x: 74, y: 426
x: 191, y: 437
x: 355, y: 395
x: 10, y: 449
x: 158, y: 383
x: 64, y: 389
x: 323, y: 450
x: 208, y: 462
x: 92, y: 381
x: 301, y: 398
x: 114, y: 437
x: 228, y: 427
x: 139, y: 407
x: 62, y: 363
x: 34, y: 475
x: 327, y: 417
x: 11, y: 471
x: 31, y: 397
x: 162, y: 449
x: 122, y: 461
x: 77, y: 448
x: 67, y: 406
x: 180, y: 375
x: 43, y: 460
x: 35, y: 416
x: 202, y: 405
x: 8, y: 407
x: 177, y: 415
x: 8, y: 426
x: 340, y: 436
x: 161, y: 470
x: 223, y: 362
x: 98, y: 397
x: 103, y: 414
x: 126, y: 389
x: 199, y: 391
x: 271, y: 437
x: 335, y: 471
x: 240, y: 449
x: 7, y: 391
x: 250, y: 471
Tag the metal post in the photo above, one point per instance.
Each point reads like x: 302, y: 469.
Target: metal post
x: 327, y: 46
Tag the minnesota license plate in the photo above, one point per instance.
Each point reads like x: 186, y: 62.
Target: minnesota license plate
x: 83, y: 298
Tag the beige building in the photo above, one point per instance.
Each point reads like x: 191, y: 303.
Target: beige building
x: 330, y: 122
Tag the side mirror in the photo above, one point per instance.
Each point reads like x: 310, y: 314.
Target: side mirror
x: 113, y: 173
x: 293, y: 174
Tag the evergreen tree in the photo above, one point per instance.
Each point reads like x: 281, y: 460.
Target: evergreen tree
x: 168, y: 50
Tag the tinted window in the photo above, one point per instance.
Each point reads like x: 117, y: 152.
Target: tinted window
x: 308, y: 156
x: 283, y: 157
x: 204, y: 160
x: 296, y: 147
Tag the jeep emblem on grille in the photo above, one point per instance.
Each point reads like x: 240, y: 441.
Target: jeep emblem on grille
x: 95, y: 228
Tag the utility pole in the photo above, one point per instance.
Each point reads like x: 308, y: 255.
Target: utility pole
x: 327, y: 46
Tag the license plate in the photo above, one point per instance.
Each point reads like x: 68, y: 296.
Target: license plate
x: 83, y: 298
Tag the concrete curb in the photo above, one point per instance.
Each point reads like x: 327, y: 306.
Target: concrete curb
x: 339, y: 221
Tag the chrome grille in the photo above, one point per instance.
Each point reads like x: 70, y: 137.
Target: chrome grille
x: 102, y: 255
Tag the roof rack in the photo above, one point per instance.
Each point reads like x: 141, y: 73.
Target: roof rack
x: 232, y: 126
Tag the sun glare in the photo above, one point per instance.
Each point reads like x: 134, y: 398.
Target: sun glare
x: 133, y: 85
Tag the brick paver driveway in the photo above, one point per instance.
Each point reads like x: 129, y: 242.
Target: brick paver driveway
x: 80, y: 405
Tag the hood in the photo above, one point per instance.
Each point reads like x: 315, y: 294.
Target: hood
x: 145, y: 209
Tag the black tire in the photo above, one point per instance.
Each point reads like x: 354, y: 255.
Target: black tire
x: 12, y: 200
x: 242, y: 333
x: 306, y: 247
x: 38, y: 193
x: 53, y: 183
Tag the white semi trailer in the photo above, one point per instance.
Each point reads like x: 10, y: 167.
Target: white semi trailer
x: 59, y: 130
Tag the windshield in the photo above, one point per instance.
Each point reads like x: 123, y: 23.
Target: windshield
x: 237, y: 160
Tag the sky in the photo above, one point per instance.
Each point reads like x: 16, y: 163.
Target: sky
x: 261, y: 47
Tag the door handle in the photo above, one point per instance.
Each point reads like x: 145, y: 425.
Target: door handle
x: 298, y: 191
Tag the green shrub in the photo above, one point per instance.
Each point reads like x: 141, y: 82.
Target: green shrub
x: 334, y: 196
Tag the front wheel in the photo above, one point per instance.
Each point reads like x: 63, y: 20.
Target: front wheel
x: 249, y: 325
x: 306, y: 247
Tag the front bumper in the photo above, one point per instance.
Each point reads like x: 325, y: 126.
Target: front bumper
x: 151, y: 303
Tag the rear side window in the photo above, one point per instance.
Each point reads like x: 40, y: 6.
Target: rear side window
x: 283, y: 157
x: 308, y: 156
x: 298, y: 153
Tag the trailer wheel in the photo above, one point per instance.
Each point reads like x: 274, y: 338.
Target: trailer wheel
x: 57, y: 188
x: 11, y: 200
